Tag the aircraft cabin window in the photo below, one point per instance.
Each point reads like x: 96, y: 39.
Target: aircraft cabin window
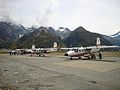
x: 76, y: 50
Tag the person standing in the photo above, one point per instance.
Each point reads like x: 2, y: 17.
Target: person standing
x: 100, y: 55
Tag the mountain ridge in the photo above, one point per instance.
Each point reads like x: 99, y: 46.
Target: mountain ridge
x: 82, y: 37
x: 63, y: 32
x: 10, y: 32
x: 116, y: 35
x: 12, y: 35
x: 41, y: 38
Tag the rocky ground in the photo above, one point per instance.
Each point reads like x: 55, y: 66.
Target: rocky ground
x: 58, y: 73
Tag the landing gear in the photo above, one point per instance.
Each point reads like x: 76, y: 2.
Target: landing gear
x: 79, y: 57
x: 88, y: 58
x: 71, y: 58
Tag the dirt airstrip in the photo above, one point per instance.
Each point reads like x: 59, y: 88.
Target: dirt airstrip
x: 23, y: 72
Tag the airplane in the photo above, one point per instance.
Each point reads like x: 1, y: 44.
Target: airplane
x: 86, y: 52
x: 20, y: 51
x: 43, y: 51
x: 34, y: 51
x: 54, y: 48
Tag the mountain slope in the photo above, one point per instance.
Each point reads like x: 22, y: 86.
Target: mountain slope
x: 63, y: 32
x: 10, y: 32
x: 116, y: 35
x: 82, y: 37
x: 112, y: 40
x: 41, y: 37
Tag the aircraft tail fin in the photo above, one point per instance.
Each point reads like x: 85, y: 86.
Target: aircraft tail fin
x: 33, y: 47
x: 98, y: 43
x: 55, y: 45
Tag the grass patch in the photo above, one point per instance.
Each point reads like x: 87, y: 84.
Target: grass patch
x: 4, y: 51
x: 60, y: 53
x: 111, y: 53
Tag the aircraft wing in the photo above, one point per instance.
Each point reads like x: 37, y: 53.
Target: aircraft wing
x: 101, y: 47
x: 80, y: 48
x: 66, y: 48
x: 91, y: 47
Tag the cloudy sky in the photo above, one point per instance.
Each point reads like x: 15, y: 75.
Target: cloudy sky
x: 101, y: 16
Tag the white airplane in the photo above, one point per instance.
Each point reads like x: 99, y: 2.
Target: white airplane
x: 33, y: 50
x: 54, y: 48
x: 86, y: 52
x: 43, y: 51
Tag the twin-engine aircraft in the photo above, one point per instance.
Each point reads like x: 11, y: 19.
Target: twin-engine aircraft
x: 34, y: 51
x: 43, y: 51
x: 86, y: 52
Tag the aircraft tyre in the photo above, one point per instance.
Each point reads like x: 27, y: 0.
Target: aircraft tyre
x: 43, y: 55
x: 88, y: 58
x: 79, y: 57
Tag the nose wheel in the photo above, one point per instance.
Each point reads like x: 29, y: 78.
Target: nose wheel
x: 65, y: 54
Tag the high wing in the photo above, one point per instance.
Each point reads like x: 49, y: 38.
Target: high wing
x: 102, y: 47
x: 92, y: 48
x: 86, y: 52
x: 69, y: 48
x: 97, y: 47
x: 52, y: 49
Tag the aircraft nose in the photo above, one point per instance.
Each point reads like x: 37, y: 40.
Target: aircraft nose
x: 66, y: 54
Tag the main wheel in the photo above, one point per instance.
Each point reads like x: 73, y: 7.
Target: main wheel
x: 88, y: 58
x: 79, y: 57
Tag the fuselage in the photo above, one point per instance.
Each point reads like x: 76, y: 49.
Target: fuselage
x: 76, y: 53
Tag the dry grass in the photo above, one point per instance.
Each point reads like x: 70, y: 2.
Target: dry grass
x: 57, y: 53
x: 4, y: 51
x: 111, y: 54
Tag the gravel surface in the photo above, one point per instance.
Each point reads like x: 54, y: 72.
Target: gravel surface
x: 58, y: 73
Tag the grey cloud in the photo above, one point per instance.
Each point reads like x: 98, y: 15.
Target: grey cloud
x: 5, y: 14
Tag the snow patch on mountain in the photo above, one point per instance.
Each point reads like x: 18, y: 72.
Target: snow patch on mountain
x: 63, y: 32
x: 116, y: 35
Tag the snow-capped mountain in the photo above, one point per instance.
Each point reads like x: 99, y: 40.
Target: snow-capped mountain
x: 113, y: 39
x: 116, y: 35
x: 63, y: 32
x: 10, y: 32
